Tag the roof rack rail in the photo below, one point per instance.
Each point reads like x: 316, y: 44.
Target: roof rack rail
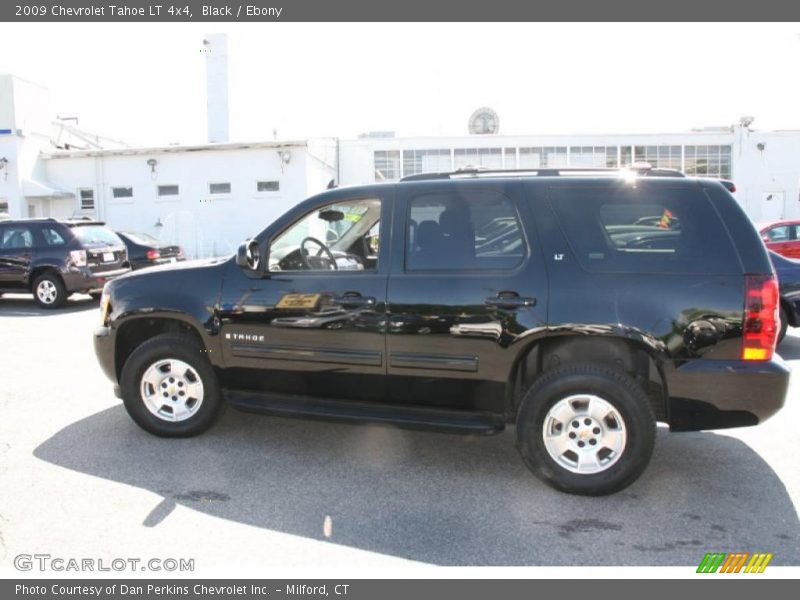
x: 642, y: 169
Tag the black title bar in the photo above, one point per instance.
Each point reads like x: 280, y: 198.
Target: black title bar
x: 405, y: 10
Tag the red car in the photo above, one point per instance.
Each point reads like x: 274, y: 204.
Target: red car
x: 782, y: 237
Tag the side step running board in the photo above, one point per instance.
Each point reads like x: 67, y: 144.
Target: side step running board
x: 412, y: 417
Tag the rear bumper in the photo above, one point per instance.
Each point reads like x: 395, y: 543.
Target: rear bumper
x: 84, y: 280
x: 718, y: 394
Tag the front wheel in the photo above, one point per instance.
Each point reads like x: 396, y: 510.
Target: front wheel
x: 169, y: 388
x: 586, y: 429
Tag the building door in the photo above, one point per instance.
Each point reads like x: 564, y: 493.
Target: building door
x: 772, y: 205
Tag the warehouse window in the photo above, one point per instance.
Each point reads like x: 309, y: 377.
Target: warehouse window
x: 87, y: 199
x: 510, y: 158
x: 593, y: 156
x: 426, y: 161
x: 539, y: 158
x: 659, y: 157
x: 168, y: 190
x: 708, y: 161
x: 268, y: 186
x: 122, y: 192
x: 387, y: 165
x: 625, y: 156
x: 219, y: 188
x: 491, y: 158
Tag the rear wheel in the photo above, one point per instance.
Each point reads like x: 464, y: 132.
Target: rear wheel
x: 169, y: 388
x: 784, y: 323
x: 48, y: 290
x: 586, y: 429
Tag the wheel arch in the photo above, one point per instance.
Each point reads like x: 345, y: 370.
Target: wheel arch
x: 790, y: 311
x: 136, y: 330
x: 634, y: 357
x: 38, y: 269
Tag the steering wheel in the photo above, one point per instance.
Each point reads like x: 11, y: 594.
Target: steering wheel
x: 322, y: 248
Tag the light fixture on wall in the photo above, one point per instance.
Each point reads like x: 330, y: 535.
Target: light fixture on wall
x: 285, y: 157
x: 761, y: 146
x: 3, y: 163
x: 158, y: 223
x: 152, y: 162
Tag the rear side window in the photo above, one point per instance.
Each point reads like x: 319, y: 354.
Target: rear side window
x: 654, y: 229
x: 96, y: 234
x: 463, y: 230
x: 52, y: 237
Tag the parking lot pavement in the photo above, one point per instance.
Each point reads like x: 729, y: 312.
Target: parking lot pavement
x: 79, y: 479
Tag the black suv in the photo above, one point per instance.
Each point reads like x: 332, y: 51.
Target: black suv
x: 466, y: 302
x: 52, y: 259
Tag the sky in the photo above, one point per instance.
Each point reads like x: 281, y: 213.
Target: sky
x: 145, y: 83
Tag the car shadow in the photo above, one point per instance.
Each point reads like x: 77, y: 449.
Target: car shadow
x: 440, y: 498
x: 23, y: 305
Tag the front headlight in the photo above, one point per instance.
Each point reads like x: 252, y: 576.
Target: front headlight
x: 105, y: 307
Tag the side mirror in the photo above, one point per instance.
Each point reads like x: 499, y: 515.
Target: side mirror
x: 248, y: 256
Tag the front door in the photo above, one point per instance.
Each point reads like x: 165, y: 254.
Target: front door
x: 16, y: 255
x: 314, y: 325
x: 463, y: 287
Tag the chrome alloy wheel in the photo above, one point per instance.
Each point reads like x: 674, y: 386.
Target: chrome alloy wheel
x: 171, y: 390
x: 584, y: 434
x: 46, y: 291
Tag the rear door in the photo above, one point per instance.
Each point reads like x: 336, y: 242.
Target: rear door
x: 465, y: 283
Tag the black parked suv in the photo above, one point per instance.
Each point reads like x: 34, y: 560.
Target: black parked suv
x: 467, y: 302
x: 52, y: 259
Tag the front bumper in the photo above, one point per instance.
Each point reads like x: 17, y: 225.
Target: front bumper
x: 104, y: 350
x: 84, y: 280
x: 719, y: 394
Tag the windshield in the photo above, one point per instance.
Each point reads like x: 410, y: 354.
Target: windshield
x: 143, y: 239
x: 96, y: 234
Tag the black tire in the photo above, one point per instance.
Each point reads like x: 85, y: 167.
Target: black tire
x: 615, y: 388
x: 95, y: 295
x: 162, y: 347
x: 784, y: 324
x: 55, y: 290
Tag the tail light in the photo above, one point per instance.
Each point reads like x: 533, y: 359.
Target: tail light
x: 78, y: 258
x: 760, y: 325
x: 153, y: 254
x: 180, y: 253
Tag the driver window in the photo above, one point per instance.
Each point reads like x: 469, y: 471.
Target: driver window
x: 335, y: 237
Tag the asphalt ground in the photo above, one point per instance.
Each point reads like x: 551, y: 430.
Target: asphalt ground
x: 79, y: 479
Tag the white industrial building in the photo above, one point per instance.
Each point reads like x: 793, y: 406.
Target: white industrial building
x: 210, y: 197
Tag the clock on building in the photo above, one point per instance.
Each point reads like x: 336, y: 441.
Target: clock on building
x: 484, y: 121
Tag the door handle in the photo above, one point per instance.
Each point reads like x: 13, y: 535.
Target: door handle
x: 510, y: 300
x: 354, y: 300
